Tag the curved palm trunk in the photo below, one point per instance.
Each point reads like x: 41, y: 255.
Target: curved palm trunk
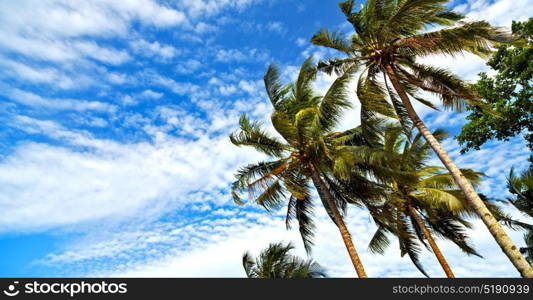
x: 346, y: 237
x: 501, y: 237
x: 432, y: 243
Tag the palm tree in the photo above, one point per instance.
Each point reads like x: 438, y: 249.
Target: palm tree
x: 522, y: 189
x: 308, y: 152
x: 431, y: 202
x: 389, y: 36
x: 276, y: 262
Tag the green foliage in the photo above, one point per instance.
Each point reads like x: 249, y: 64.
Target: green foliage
x: 429, y: 190
x: 389, y: 38
x: 252, y: 134
x: 351, y: 168
x: 276, y: 262
x: 509, y: 93
x: 305, y: 122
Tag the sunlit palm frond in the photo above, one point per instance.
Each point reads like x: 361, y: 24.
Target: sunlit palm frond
x: 256, y: 176
x: 251, y: 134
x: 332, y: 40
x: 474, y: 37
x: 373, y: 97
x: 276, y: 91
x: 334, y: 102
x: 303, y: 89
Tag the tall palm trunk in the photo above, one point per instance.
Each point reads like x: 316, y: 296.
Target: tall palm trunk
x: 346, y: 237
x: 431, y: 241
x: 506, y: 244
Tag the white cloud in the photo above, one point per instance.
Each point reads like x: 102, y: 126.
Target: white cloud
x: 237, y: 55
x: 189, y: 66
x: 63, y: 18
x: 275, y: 26
x: 497, y: 12
x: 128, y: 100
x: 180, y: 88
x: 97, y: 122
x: 154, y: 49
x: 301, y: 42
x: 48, y: 75
x: 106, y: 179
x: 118, y: 78
x: 202, y: 27
x: 227, y: 90
x: 206, y: 8
x: 107, y: 55
x: 71, y: 35
x: 149, y: 94
x: 37, y: 101
x: 253, y: 88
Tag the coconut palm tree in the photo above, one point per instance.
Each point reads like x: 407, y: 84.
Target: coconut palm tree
x: 276, y: 262
x: 429, y: 204
x: 310, y: 149
x: 389, y: 37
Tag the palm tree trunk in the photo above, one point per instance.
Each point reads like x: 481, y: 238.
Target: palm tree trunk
x: 501, y: 237
x: 346, y: 237
x: 432, y: 243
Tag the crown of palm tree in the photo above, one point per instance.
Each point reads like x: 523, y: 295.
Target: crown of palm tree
x: 393, y: 33
x: 432, y: 192
x: 305, y: 121
x: 276, y: 262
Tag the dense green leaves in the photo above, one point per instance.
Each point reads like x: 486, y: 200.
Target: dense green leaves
x: 305, y: 122
x: 392, y: 35
x: 509, y: 93
x: 430, y: 191
x: 251, y: 134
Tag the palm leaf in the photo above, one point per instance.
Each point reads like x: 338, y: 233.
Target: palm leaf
x: 251, y: 134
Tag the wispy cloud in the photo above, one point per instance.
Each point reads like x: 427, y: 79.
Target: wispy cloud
x: 33, y: 100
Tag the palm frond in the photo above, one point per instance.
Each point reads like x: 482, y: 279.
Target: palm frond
x: 332, y: 40
x: 453, y: 91
x: 449, y: 226
x: 256, y: 176
x: 373, y: 97
x: 303, y: 86
x: 474, y: 37
x: 379, y: 241
x: 306, y: 226
x: 334, y: 102
x: 274, y: 88
x: 285, y: 127
x: 276, y: 262
x: 251, y: 134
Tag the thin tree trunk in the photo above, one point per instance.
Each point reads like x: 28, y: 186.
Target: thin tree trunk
x: 501, y: 237
x: 346, y: 237
x: 432, y: 243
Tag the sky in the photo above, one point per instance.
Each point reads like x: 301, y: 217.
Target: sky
x: 114, y: 150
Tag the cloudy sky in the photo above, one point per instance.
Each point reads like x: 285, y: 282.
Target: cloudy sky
x: 114, y: 156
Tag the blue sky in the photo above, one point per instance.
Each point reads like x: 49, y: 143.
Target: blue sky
x: 114, y: 157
